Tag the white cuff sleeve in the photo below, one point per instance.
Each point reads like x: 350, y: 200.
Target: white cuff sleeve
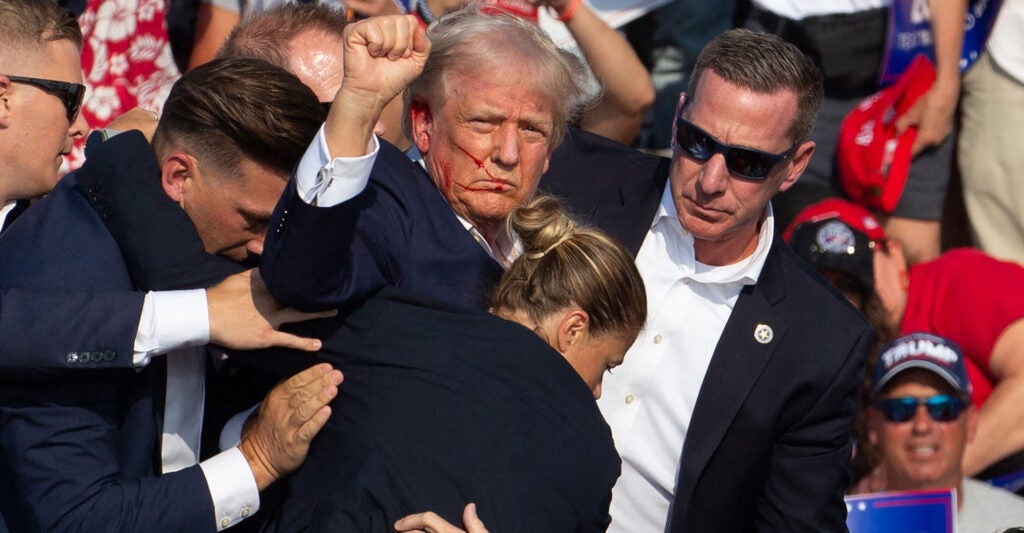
x: 231, y: 435
x: 232, y: 487
x: 171, y: 320
x: 326, y: 181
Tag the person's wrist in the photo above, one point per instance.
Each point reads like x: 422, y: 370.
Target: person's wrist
x: 567, y: 11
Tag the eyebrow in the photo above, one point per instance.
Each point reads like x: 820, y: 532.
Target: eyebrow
x: 256, y: 215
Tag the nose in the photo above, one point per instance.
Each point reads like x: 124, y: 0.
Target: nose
x: 78, y: 128
x: 597, y: 391
x: 714, y: 176
x: 506, y: 146
x: 380, y: 129
x: 922, y: 420
x: 255, y: 245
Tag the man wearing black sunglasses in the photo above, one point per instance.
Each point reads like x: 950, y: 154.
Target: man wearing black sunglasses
x: 41, y: 93
x: 921, y: 420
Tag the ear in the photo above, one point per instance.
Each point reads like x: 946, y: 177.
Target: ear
x: 176, y: 173
x: 797, y: 164
x: 422, y: 121
x: 679, y: 109
x: 5, y: 101
x: 572, y: 329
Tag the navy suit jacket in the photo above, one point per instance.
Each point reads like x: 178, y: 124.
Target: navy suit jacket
x: 768, y: 443
x: 399, y: 232
x: 83, y: 456
x: 444, y: 405
x: 100, y: 325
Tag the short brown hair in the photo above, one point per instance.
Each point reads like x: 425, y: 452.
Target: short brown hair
x: 764, y: 63
x: 235, y: 108
x: 565, y: 264
x: 267, y: 35
x: 29, y: 24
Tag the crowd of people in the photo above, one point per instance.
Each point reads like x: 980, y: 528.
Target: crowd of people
x: 384, y: 266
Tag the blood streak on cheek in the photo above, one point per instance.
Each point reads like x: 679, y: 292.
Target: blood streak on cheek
x: 498, y: 186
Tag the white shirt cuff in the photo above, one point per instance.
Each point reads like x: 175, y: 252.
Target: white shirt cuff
x: 232, y: 487
x: 171, y: 320
x: 231, y: 435
x: 326, y: 181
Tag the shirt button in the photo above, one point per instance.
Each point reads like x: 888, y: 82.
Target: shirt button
x: 225, y: 522
x: 629, y: 399
x: 246, y: 512
x: 658, y: 339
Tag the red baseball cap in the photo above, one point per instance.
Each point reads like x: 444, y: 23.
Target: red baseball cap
x: 872, y: 162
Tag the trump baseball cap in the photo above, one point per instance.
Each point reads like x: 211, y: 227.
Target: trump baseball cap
x: 872, y: 162
x: 838, y: 235
x: 936, y: 354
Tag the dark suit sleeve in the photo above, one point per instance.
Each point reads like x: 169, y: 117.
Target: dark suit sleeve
x: 809, y: 461
x: 102, y: 326
x: 317, y: 258
x: 65, y: 474
x: 159, y: 243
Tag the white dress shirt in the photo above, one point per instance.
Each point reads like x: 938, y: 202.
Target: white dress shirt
x: 649, y: 399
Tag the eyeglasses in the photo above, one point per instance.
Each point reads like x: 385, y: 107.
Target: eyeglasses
x: 743, y: 162
x: 70, y: 94
x: 941, y: 407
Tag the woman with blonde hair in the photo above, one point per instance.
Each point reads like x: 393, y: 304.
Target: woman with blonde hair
x: 445, y: 405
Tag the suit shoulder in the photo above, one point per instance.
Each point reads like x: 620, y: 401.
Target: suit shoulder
x: 813, y: 294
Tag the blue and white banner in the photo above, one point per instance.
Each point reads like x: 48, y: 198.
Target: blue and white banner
x: 910, y: 34
x: 924, y: 511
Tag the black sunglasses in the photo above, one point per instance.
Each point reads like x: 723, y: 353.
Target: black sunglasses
x: 70, y: 94
x: 941, y: 407
x: 743, y: 162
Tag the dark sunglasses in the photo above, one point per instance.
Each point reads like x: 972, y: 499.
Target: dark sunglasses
x: 70, y: 94
x: 941, y: 407
x: 743, y: 162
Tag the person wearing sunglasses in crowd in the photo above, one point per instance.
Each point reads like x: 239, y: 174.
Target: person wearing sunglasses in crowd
x: 921, y: 419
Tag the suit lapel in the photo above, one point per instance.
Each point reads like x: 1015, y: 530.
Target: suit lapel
x: 740, y: 356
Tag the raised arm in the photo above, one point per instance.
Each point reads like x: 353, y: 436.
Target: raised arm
x: 382, y: 55
x: 628, y: 90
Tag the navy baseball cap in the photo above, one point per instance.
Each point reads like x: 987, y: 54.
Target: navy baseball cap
x: 922, y: 350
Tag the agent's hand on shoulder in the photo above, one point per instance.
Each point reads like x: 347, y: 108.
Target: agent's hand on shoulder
x: 243, y: 316
x: 275, y: 440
